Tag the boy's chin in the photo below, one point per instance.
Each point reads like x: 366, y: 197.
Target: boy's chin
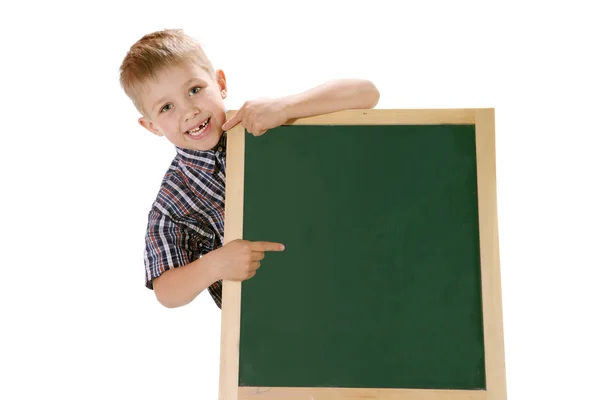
x: 208, y: 143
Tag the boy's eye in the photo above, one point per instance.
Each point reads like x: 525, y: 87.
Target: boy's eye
x: 167, y: 107
x: 194, y: 90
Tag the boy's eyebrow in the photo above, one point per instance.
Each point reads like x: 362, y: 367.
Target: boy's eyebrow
x: 186, y: 83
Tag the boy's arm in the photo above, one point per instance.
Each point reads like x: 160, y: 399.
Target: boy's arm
x: 179, y: 286
x: 238, y: 260
x: 335, y: 95
x: 258, y: 116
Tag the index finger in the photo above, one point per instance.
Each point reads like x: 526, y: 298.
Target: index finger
x: 236, y: 119
x: 266, y: 246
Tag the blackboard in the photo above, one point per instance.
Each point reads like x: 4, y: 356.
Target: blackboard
x: 380, y: 288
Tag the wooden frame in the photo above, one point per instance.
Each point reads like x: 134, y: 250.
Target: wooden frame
x: 484, y: 121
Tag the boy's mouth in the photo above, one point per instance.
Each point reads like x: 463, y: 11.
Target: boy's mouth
x: 199, y: 131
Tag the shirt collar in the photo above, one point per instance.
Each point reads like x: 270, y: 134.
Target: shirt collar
x: 203, y: 159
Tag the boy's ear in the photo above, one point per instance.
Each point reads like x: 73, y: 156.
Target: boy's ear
x: 149, y: 125
x: 222, y: 82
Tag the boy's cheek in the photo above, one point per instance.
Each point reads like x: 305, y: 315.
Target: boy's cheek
x: 220, y: 120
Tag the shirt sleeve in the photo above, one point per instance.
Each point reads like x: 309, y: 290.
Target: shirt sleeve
x: 168, y: 245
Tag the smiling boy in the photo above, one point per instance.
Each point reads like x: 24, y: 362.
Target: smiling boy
x: 180, y: 96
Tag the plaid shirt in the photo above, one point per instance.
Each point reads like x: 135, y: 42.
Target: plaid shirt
x: 187, y: 218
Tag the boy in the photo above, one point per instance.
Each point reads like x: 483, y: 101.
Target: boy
x: 180, y: 95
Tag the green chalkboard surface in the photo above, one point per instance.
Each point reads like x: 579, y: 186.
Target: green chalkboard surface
x: 379, y: 285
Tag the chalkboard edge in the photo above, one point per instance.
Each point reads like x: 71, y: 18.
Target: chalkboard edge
x: 391, y: 117
x: 491, y: 288
x: 323, y: 393
x: 231, y: 296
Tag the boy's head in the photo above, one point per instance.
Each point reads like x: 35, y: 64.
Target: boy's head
x: 176, y: 89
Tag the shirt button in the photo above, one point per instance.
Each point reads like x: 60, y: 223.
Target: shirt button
x: 220, y: 148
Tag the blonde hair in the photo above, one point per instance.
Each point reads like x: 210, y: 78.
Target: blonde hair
x: 154, y: 52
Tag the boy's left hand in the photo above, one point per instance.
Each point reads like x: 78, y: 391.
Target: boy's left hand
x: 258, y: 116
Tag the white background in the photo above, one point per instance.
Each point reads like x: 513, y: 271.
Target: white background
x: 79, y: 174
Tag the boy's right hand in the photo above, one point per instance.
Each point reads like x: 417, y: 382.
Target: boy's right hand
x: 239, y: 259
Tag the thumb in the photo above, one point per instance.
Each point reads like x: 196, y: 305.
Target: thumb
x: 236, y: 119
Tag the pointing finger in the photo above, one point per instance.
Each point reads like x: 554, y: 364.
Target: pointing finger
x: 232, y: 122
x: 266, y: 246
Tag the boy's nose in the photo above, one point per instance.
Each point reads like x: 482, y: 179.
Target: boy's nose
x: 191, y: 111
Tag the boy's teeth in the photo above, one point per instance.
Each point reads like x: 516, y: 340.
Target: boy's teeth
x: 198, y: 130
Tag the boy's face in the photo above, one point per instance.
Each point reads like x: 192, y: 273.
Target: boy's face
x: 185, y: 104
